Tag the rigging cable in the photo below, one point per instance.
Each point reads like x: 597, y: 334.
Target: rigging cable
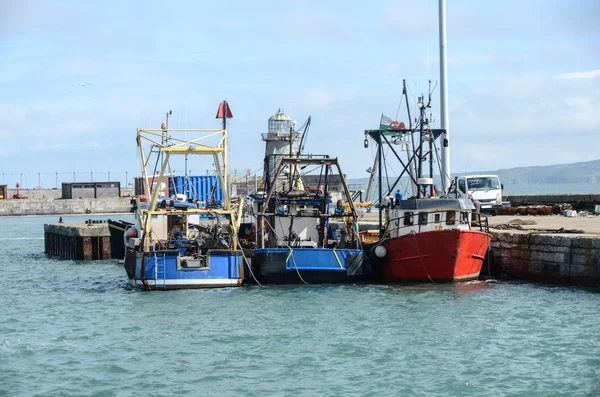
x: 400, y: 104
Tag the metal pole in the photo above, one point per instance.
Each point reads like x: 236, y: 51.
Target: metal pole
x: 444, y: 100
x: 226, y: 148
x: 380, y: 183
x: 108, y: 176
x: 126, y: 179
x: 91, y: 176
x: 57, y: 180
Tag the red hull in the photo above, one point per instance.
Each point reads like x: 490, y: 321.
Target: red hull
x: 439, y: 255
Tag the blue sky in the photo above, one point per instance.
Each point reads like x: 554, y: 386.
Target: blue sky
x: 524, y: 78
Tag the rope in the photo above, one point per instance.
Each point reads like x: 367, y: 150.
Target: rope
x: 420, y: 258
x: 291, y: 252
x: 246, y: 261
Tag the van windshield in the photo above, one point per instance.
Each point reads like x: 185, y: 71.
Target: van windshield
x: 483, y: 183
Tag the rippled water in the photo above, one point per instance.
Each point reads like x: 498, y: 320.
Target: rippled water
x: 76, y: 329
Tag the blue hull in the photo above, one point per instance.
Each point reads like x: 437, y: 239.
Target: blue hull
x: 169, y: 270
x: 311, y: 265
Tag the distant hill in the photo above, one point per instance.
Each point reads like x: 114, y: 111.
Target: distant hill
x: 583, y: 172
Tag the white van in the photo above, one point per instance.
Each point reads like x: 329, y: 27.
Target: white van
x: 486, y: 189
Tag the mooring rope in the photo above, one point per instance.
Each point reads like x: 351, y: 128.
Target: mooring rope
x: 291, y: 251
x: 420, y: 258
x: 246, y: 262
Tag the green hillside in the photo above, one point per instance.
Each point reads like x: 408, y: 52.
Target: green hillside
x: 584, y: 172
x: 587, y: 172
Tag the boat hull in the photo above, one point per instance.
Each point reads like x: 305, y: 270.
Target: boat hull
x: 165, y: 270
x: 117, y: 243
x: 309, y: 265
x: 437, y: 255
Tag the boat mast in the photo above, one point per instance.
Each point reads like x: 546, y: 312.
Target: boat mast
x: 379, y: 152
x: 225, y: 152
x: 420, y: 148
x: 410, y: 150
x: 444, y: 100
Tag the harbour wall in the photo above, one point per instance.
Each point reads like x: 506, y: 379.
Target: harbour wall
x: 47, y: 206
x: 548, y: 258
x: 578, y: 201
x: 52, y: 194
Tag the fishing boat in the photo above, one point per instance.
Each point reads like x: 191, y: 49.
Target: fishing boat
x: 178, y: 242
x: 305, y: 223
x: 431, y: 235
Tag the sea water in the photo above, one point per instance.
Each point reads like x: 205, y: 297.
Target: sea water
x: 76, y: 329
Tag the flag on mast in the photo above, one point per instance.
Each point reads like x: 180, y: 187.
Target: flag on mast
x: 388, y: 124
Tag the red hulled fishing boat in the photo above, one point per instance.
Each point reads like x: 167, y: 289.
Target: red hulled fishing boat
x: 430, y: 235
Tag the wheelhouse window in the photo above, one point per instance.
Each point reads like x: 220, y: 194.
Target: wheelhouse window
x: 408, y: 221
x: 437, y: 218
x: 423, y: 218
x: 450, y: 217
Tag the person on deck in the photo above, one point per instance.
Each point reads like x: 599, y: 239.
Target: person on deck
x: 399, y: 196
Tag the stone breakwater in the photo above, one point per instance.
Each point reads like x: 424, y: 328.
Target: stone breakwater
x: 552, y: 258
x: 64, y: 207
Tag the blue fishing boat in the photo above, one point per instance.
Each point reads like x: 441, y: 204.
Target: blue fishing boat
x: 306, y: 226
x: 180, y: 241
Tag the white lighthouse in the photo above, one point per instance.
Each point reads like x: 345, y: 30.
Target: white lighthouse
x: 281, y: 141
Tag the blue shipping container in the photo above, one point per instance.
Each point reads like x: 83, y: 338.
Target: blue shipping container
x: 196, y: 187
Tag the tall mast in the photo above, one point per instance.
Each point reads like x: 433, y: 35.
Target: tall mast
x: 445, y: 168
x: 226, y: 151
x: 410, y: 149
x: 224, y: 113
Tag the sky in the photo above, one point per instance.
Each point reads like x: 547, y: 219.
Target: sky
x: 77, y: 79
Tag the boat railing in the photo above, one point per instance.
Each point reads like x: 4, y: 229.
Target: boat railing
x: 482, y: 222
x: 448, y: 218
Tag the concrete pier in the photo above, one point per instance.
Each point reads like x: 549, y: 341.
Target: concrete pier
x: 77, y: 241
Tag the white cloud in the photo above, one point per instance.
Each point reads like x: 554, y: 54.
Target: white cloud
x: 43, y: 147
x: 320, y: 97
x: 587, y: 75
